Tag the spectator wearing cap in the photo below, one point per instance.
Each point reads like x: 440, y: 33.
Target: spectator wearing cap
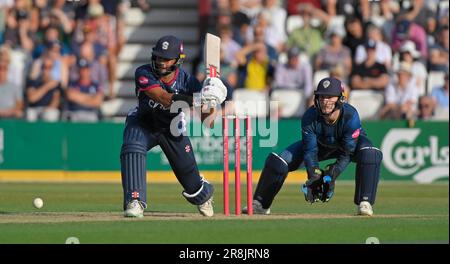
x: 296, y: 73
x: 334, y: 53
x: 43, y: 94
x: 401, y: 95
x: 441, y: 95
x: 383, y: 51
x: 51, y: 37
x: 370, y: 74
x: 406, y: 30
x: 98, y: 65
x: 84, y: 96
x: 11, y: 101
x: 409, y: 54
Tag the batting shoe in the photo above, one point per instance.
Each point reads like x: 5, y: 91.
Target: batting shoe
x: 365, y: 208
x: 134, y: 209
x: 257, y: 209
x: 206, y: 209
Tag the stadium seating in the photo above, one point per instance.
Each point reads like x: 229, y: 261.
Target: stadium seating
x: 435, y: 79
x: 250, y: 102
x: 291, y: 103
x: 367, y: 102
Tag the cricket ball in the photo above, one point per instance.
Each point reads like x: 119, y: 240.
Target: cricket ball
x: 38, y: 203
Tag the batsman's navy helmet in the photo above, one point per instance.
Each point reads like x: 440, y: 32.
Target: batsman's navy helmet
x: 168, y: 47
x: 332, y: 87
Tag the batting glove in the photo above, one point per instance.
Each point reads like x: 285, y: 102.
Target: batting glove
x: 214, y: 92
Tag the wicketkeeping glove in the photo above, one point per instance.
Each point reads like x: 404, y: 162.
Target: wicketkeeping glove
x: 329, y: 178
x: 312, y: 188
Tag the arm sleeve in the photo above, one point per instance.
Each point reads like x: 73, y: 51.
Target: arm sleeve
x: 309, y: 140
x: 351, y: 131
x: 144, y: 81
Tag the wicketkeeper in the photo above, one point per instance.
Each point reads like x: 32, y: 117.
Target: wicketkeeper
x: 331, y: 129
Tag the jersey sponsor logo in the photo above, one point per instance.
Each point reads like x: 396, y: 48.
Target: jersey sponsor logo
x: 143, y: 80
x: 356, y: 133
x: 154, y: 104
x: 403, y: 157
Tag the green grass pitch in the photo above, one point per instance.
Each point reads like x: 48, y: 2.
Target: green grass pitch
x: 91, y: 212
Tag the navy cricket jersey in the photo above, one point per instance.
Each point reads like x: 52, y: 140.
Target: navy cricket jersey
x: 342, y: 136
x: 153, y: 113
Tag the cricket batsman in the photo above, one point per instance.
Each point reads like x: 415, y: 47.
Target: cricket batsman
x: 331, y: 129
x: 158, y: 86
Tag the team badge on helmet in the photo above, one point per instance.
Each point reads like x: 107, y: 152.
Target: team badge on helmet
x: 326, y: 84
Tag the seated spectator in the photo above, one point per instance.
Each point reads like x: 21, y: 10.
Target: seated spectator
x: 43, y: 95
x: 99, y: 70
x: 334, y: 53
x: 51, y: 36
x: 383, y: 51
x: 84, y: 96
x: 426, y: 108
x: 307, y: 38
x: 406, y: 30
x: 409, y: 54
x: 440, y: 94
x: 11, y: 102
x: 255, y: 71
x: 369, y: 74
x: 240, y: 22
x: 295, y: 74
x: 400, y: 96
x: 355, y: 34
x: 439, y: 52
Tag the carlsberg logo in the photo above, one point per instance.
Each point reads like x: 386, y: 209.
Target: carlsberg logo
x: 424, y: 163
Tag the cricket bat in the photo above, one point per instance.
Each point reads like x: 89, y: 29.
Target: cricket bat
x: 212, y: 55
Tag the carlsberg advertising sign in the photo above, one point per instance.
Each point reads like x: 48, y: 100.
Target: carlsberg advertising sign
x: 415, y: 153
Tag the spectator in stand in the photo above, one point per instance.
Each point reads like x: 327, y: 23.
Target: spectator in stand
x: 51, y: 36
x: 441, y: 95
x: 293, y: 5
x: 229, y: 46
x: 306, y: 38
x: 255, y: 71
x: 401, y: 95
x: 383, y: 51
x: 359, y: 9
x: 277, y: 17
x: 98, y: 69
x: 239, y: 21
x: 335, y: 53
x: 261, y: 36
x: 43, y: 94
x: 11, y: 102
x: 439, y: 53
x: 295, y: 74
x: 426, y: 108
x: 406, y: 30
x: 409, y: 54
x: 60, y: 71
x: 84, y: 96
x: 369, y: 74
x: 18, y: 34
x: 355, y: 35
x: 251, y: 7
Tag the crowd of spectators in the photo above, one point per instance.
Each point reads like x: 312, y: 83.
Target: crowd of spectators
x: 386, y: 46
x: 58, y: 58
